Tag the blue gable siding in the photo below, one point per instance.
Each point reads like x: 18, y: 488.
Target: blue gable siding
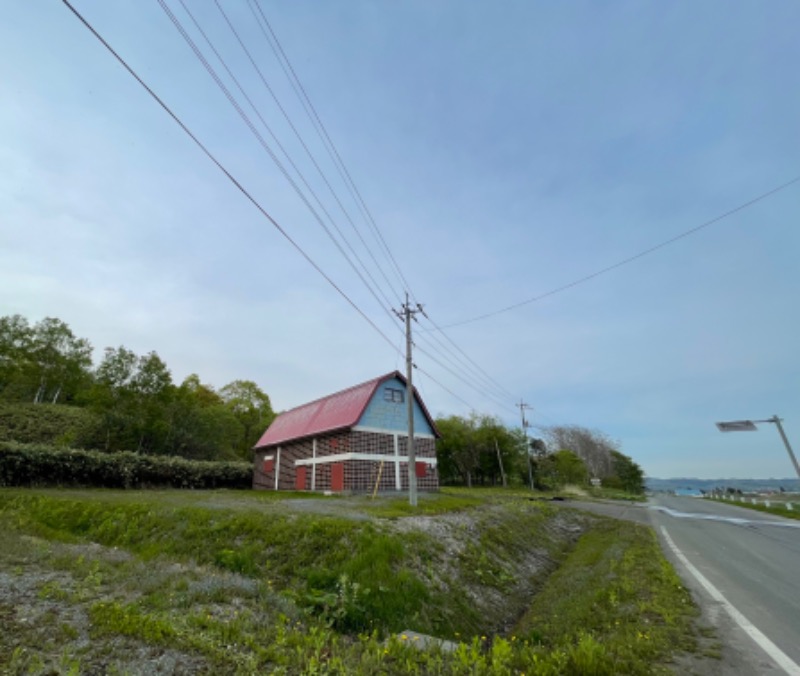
x: 392, y: 416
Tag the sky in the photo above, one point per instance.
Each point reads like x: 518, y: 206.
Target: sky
x: 502, y: 150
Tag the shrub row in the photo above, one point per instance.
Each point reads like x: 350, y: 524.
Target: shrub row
x: 60, y: 425
x: 43, y: 465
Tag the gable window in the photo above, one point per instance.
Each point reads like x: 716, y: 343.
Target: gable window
x: 393, y: 394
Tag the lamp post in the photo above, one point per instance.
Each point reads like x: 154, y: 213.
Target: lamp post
x: 750, y: 426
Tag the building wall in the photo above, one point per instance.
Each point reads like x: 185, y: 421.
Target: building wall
x: 360, y: 475
x: 393, y: 415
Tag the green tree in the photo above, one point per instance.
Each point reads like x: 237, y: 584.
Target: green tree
x: 16, y: 336
x: 152, y: 390
x: 42, y: 363
x: 627, y: 474
x: 61, y: 359
x: 478, y: 449
x: 252, y: 408
x: 201, y: 426
x: 132, y: 395
x: 561, y: 468
x: 112, y: 398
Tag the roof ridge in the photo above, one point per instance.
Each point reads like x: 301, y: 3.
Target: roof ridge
x: 340, y: 392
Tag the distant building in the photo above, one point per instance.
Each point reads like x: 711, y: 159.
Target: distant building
x: 349, y: 441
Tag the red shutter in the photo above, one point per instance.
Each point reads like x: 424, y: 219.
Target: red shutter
x: 269, y: 465
x: 337, y: 476
x: 422, y: 470
x: 300, y: 479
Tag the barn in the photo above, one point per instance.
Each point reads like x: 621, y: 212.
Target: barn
x: 351, y: 441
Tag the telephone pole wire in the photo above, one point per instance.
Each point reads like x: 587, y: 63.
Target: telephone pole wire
x: 406, y: 314
x: 522, y: 408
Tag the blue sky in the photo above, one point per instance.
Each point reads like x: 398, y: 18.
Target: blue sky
x: 504, y: 150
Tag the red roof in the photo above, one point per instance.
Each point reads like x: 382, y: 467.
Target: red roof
x: 338, y: 411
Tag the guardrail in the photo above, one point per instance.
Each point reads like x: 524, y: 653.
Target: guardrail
x: 758, y: 501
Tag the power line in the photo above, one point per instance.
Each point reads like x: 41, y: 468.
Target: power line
x: 299, y: 136
x: 458, y: 362
x: 302, y: 94
x: 228, y: 175
x: 328, y: 143
x: 464, y: 379
x: 179, y: 27
x: 445, y: 388
x: 241, y: 188
x: 245, y: 192
x: 198, y: 54
x: 248, y: 122
x: 469, y: 359
x: 625, y: 261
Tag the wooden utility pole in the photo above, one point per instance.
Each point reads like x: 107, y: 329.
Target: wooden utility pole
x: 522, y: 407
x: 500, y: 461
x: 407, y: 313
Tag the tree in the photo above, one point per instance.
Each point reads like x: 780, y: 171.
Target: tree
x: 201, y: 426
x: 62, y: 360
x: 152, y: 388
x: 45, y: 362
x: 456, y: 452
x: 592, y: 446
x: 16, y: 336
x: 252, y: 408
x: 472, y: 449
x: 627, y: 473
x: 561, y: 468
x: 132, y: 395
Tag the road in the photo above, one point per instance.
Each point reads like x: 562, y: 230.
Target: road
x: 743, y: 567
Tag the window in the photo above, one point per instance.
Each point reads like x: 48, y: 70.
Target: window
x: 394, y: 395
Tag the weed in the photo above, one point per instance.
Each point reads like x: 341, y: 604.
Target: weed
x: 237, y: 590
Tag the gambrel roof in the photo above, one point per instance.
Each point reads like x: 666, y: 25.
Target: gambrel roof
x: 339, y: 411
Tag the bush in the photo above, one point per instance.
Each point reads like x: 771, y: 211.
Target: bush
x: 49, y: 424
x: 43, y: 465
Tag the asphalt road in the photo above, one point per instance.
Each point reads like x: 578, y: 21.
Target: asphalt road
x: 743, y: 568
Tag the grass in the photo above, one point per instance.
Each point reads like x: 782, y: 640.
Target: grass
x: 622, y: 594
x: 777, y: 506
x: 223, y: 582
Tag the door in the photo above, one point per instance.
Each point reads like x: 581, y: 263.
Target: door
x: 337, y: 476
x: 300, y: 478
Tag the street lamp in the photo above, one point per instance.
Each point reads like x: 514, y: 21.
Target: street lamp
x: 750, y: 426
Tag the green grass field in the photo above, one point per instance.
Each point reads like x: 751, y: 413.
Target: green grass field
x: 239, y: 582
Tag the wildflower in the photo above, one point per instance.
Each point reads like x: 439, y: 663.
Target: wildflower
x: 404, y: 637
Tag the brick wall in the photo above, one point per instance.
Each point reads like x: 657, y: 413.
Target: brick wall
x: 359, y: 475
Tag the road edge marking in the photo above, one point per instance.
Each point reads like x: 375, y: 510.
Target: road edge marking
x: 774, y: 652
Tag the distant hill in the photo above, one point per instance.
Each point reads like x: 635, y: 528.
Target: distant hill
x: 746, y: 485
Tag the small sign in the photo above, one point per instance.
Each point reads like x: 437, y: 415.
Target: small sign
x: 737, y: 426
x: 596, y: 481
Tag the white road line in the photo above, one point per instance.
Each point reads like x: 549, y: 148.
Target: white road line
x: 781, y: 658
x: 725, y: 519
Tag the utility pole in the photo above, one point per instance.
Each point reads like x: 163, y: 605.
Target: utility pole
x: 522, y: 407
x: 407, y: 313
x: 775, y: 419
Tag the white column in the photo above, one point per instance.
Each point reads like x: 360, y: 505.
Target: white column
x: 314, y: 464
x: 277, y: 467
x: 398, y: 484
